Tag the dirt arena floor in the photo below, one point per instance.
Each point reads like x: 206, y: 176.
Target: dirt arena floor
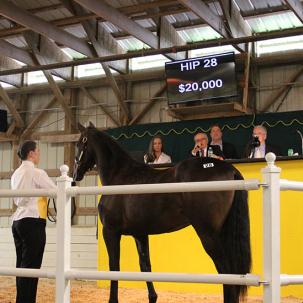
x: 84, y: 292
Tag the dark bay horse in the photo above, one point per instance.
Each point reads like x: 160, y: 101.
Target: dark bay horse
x: 220, y: 218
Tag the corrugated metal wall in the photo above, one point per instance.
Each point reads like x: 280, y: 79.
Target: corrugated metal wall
x: 52, y: 155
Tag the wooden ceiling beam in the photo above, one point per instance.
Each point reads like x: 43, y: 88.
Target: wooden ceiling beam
x: 64, y: 22
x: 95, y: 82
x: 213, y: 20
x: 203, y: 11
x: 297, y: 7
x: 102, y: 41
x: 122, y: 21
x: 9, y: 50
x: 170, y: 37
x: 48, y: 52
x: 6, y: 64
x: 178, y: 48
x: 237, y: 25
x: 39, y: 57
x: 103, y: 44
x: 21, y: 16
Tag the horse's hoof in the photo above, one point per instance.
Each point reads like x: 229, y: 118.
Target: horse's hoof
x: 113, y: 301
x: 153, y: 299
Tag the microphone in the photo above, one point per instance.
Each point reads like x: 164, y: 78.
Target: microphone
x: 300, y: 134
x: 255, y: 142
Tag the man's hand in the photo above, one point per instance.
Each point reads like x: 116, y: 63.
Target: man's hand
x: 195, y: 149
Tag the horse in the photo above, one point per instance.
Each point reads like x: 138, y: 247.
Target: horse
x: 220, y: 218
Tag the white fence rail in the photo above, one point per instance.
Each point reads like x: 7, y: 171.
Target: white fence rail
x: 272, y: 280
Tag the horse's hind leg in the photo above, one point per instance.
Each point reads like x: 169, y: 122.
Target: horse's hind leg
x: 112, y: 241
x: 143, y: 251
x: 214, y: 248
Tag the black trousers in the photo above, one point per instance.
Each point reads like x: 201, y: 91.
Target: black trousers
x: 29, y: 236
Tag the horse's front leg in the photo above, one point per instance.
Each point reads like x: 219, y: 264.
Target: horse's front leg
x: 112, y: 241
x: 143, y: 251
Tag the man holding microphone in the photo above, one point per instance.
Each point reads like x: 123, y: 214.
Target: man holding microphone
x: 202, y: 149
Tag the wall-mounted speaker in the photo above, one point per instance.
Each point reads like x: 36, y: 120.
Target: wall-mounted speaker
x: 3, y: 120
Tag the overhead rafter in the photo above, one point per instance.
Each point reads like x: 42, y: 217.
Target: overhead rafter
x: 21, y: 16
x: 134, y: 12
x: 137, y: 13
x: 100, y: 39
x: 123, y: 22
x: 178, y: 48
x: 39, y: 58
x: 48, y: 52
x: 297, y: 7
x: 7, y: 64
x: 236, y: 23
x: 205, y: 13
x: 215, y: 21
x: 170, y: 37
x: 9, y: 50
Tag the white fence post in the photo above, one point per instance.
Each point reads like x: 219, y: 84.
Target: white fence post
x: 271, y: 230
x: 63, y: 237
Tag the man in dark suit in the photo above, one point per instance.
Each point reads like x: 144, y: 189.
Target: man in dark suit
x: 258, y: 148
x: 228, y: 150
x: 202, y: 149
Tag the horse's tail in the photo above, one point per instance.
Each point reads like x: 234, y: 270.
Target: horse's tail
x: 236, y: 235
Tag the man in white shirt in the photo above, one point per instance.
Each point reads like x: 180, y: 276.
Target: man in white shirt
x: 29, y: 219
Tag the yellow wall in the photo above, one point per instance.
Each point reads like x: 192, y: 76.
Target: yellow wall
x: 182, y: 252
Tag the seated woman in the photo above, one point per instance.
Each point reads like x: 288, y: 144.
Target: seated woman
x: 155, y: 154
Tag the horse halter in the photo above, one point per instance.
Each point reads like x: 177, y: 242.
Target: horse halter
x: 79, y: 158
x: 84, y: 147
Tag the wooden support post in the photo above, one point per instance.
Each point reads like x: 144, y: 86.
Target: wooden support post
x: 246, y: 81
x: 69, y: 147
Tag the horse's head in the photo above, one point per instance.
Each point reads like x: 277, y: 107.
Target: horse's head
x: 85, y: 159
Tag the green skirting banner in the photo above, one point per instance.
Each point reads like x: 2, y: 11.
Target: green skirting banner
x: 178, y: 136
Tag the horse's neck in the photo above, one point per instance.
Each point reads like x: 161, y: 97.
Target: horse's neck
x: 110, y: 160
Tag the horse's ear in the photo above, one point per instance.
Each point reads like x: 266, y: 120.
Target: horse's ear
x: 91, y: 124
x: 81, y: 128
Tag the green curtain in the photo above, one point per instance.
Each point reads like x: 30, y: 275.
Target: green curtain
x: 178, y: 136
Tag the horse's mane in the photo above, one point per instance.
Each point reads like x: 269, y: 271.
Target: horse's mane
x: 116, y: 153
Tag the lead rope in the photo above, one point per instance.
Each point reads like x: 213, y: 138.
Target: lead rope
x: 52, y: 217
